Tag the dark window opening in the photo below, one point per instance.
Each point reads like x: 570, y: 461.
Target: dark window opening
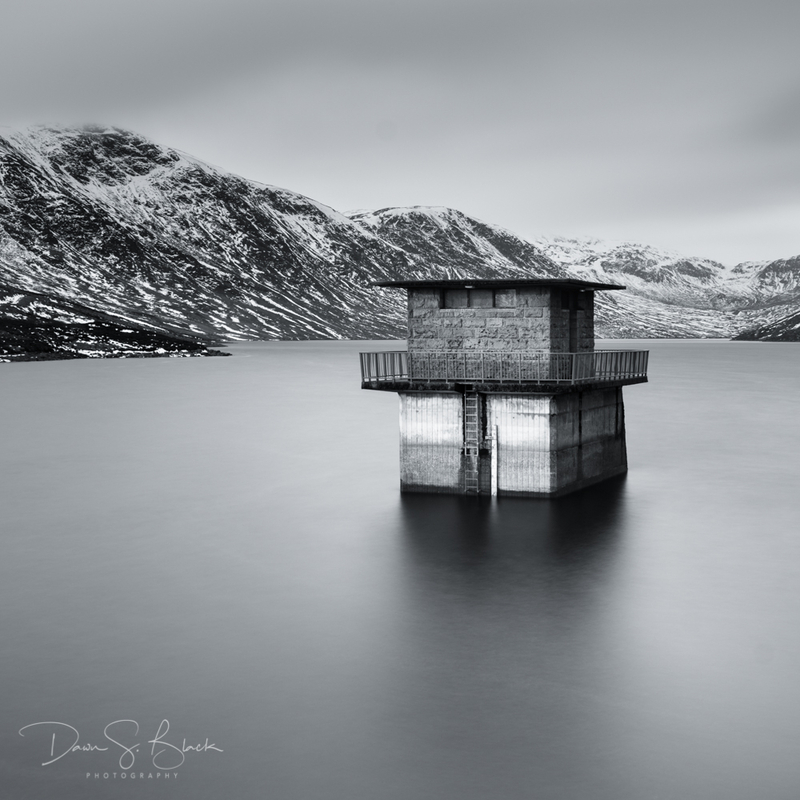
x: 573, y: 301
x: 479, y: 298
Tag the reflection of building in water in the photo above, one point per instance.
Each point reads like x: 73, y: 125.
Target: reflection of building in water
x: 501, y: 389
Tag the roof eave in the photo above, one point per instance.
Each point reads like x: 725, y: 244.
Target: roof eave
x: 500, y: 283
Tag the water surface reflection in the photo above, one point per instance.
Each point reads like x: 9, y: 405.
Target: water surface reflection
x: 504, y: 542
x: 222, y: 542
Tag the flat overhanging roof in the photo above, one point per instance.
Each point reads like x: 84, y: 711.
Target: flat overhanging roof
x: 501, y: 283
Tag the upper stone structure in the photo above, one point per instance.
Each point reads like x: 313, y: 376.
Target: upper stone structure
x: 553, y: 315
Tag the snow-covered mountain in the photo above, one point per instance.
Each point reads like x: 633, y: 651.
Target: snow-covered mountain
x: 669, y: 295
x: 101, y: 224
x: 154, y: 237
x: 726, y: 301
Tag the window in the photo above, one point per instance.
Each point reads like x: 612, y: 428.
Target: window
x: 479, y: 298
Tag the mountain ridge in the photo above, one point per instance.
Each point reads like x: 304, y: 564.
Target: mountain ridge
x: 154, y: 238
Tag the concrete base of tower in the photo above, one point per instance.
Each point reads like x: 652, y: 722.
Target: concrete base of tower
x: 529, y: 445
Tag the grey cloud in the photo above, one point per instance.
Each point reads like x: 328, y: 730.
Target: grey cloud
x: 628, y: 107
x: 775, y: 121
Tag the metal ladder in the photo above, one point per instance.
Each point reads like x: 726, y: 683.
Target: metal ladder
x: 472, y: 441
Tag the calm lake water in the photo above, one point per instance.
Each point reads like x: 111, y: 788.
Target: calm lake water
x: 221, y: 543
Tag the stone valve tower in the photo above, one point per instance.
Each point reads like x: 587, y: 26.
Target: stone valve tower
x: 501, y: 389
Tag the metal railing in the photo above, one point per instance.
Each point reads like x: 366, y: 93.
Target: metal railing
x: 384, y: 366
x: 487, y: 366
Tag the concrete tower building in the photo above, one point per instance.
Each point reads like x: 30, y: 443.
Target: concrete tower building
x: 501, y: 388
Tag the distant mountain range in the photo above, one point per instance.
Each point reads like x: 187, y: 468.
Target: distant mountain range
x: 111, y: 244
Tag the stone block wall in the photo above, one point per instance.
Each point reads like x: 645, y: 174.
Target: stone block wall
x: 585, y: 322
x: 571, y: 321
x: 510, y: 320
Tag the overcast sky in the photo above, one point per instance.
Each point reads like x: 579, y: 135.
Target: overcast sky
x: 674, y: 123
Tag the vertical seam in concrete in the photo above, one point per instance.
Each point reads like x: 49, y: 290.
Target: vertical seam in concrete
x: 580, y: 436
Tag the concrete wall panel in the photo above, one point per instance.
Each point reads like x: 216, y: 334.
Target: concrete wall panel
x: 431, y: 440
x: 524, y: 453
x: 546, y: 444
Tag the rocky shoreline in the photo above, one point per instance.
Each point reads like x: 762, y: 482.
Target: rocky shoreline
x: 28, y: 339
x: 65, y: 356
